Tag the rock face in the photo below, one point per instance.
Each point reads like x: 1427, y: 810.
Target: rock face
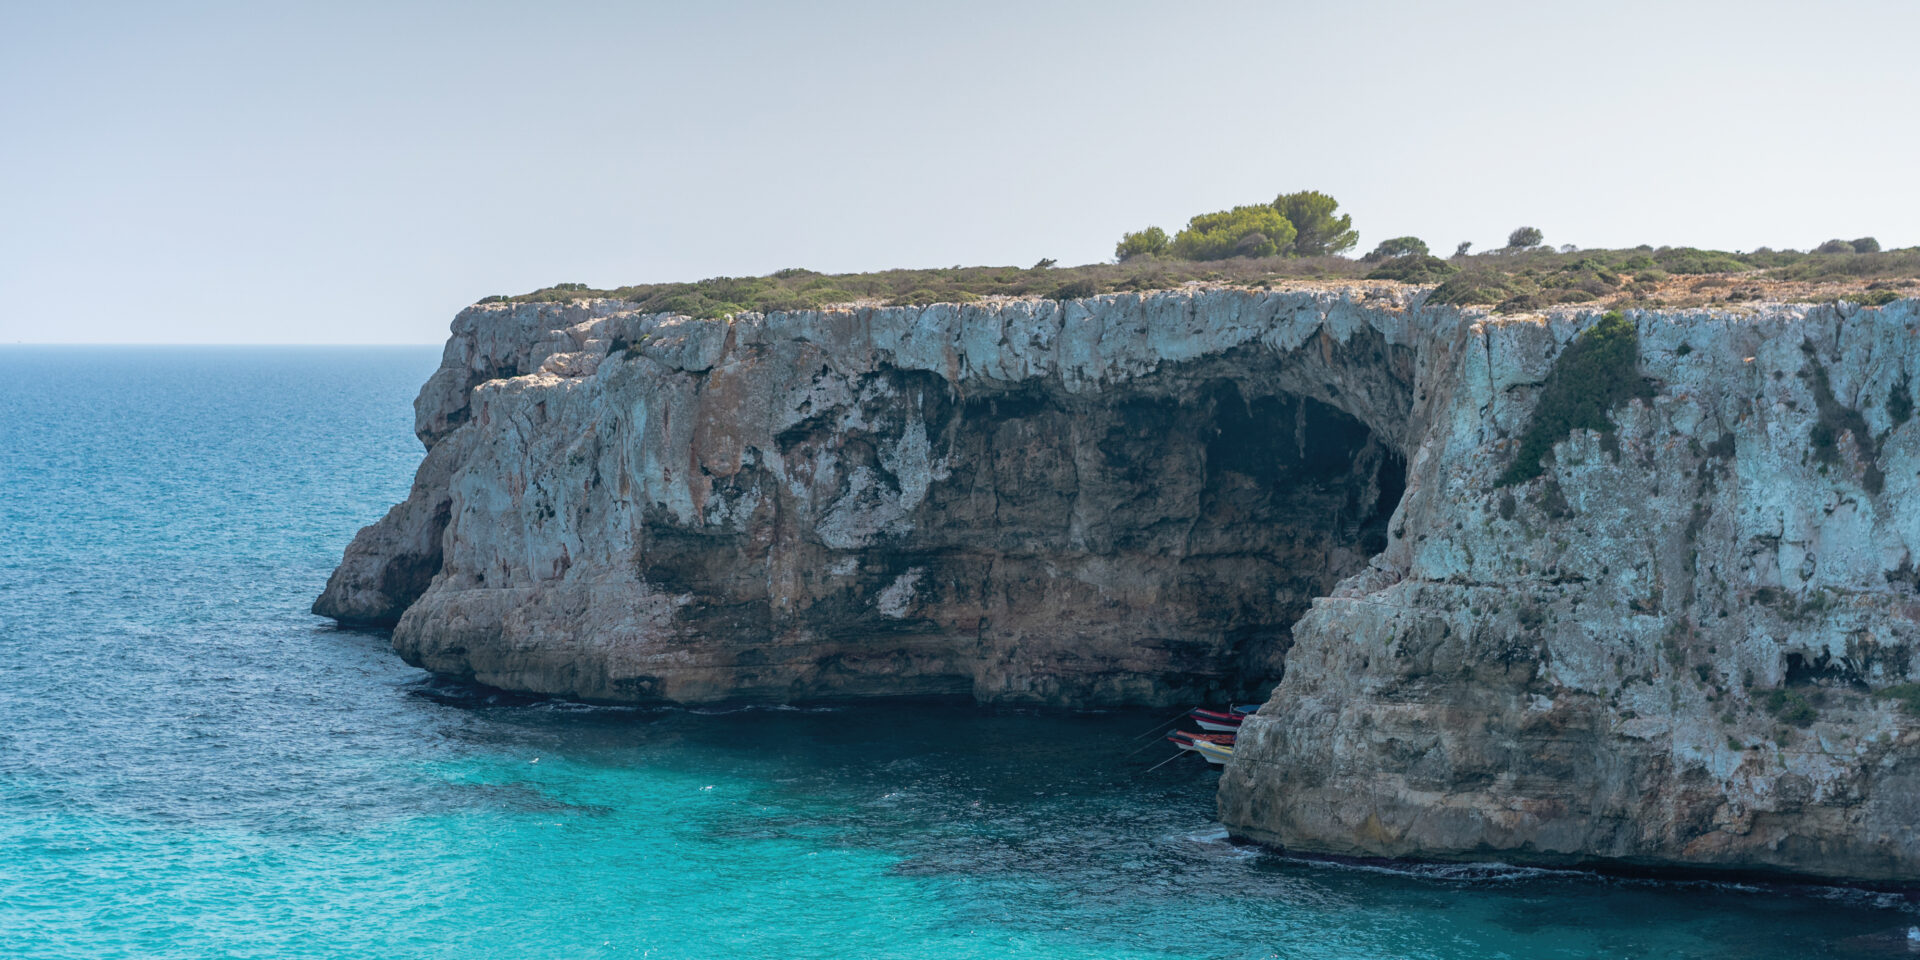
x: 1663, y: 651
x: 1120, y: 500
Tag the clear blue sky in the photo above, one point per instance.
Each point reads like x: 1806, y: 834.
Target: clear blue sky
x: 356, y: 172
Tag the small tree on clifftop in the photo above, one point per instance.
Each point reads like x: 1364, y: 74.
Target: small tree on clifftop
x: 1151, y: 242
x: 1396, y: 247
x: 1304, y: 224
x: 1217, y: 236
x: 1318, y: 232
x: 1525, y: 238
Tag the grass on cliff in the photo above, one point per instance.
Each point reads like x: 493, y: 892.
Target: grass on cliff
x: 798, y: 289
x: 1907, y: 695
x: 1598, y: 372
x: 1790, y: 708
x: 1510, y: 281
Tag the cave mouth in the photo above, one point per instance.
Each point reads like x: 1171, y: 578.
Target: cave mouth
x: 1298, y: 496
x: 1152, y: 545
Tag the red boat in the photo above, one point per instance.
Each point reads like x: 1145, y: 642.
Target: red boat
x: 1182, y: 737
x: 1215, y: 720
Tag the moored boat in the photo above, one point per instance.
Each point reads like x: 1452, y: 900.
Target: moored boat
x: 1182, y: 736
x: 1212, y: 752
x: 1214, y: 720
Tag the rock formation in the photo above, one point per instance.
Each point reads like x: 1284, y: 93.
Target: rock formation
x: 1112, y: 501
x: 1664, y: 650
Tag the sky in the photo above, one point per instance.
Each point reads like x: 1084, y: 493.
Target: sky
x: 345, y: 172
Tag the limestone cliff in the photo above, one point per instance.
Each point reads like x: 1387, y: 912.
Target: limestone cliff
x: 1662, y: 651
x: 1120, y: 500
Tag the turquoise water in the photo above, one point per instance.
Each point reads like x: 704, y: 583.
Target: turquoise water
x: 193, y: 766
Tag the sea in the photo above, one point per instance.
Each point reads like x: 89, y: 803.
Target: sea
x: 194, y: 766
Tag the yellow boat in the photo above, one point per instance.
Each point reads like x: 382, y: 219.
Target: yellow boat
x: 1213, y: 752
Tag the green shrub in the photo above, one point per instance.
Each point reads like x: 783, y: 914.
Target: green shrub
x: 1255, y: 245
x: 1076, y: 289
x: 1318, y: 232
x: 1837, y: 418
x: 800, y: 289
x: 1521, y: 303
x: 1865, y: 245
x: 1474, y: 285
x: 1397, y: 247
x: 1873, y: 298
x: 1525, y: 237
x: 1149, y: 243
x: 1599, y: 371
x: 1834, y: 246
x: 1687, y: 260
x: 1518, y: 276
x: 914, y: 298
x: 1907, y: 695
x: 1900, y: 400
x: 1888, y: 263
x: 1414, y: 268
x: 1790, y: 708
x: 1217, y: 236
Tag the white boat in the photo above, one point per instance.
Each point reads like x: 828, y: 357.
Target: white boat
x: 1212, y: 752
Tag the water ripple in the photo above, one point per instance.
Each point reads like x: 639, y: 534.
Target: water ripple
x: 192, y: 766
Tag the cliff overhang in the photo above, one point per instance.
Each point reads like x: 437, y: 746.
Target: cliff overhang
x: 1663, y: 649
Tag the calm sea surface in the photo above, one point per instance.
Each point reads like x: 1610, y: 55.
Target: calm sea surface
x: 193, y: 766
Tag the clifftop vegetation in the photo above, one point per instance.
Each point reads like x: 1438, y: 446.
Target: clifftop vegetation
x: 1301, y: 236
x: 1303, y: 224
x: 1598, y: 372
x: 797, y: 289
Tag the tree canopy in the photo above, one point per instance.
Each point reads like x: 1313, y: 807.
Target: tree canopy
x: 1318, y: 232
x: 1257, y: 230
x: 1151, y: 242
x: 1397, y: 247
x: 1303, y: 224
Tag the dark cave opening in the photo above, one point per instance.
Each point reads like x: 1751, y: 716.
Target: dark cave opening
x: 1149, y: 545
x: 1299, y: 495
x: 1179, y: 530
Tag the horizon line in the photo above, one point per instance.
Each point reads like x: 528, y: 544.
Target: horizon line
x: 196, y: 343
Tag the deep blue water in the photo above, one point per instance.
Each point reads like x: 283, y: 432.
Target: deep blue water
x: 193, y: 766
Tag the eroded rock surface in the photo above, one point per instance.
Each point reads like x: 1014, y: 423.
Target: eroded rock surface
x: 1121, y: 500
x: 1663, y: 651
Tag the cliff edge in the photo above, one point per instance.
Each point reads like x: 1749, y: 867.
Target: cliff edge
x: 1671, y: 647
x: 1121, y: 500
x: 1665, y: 650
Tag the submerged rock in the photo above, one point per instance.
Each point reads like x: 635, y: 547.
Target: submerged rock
x: 1664, y: 649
